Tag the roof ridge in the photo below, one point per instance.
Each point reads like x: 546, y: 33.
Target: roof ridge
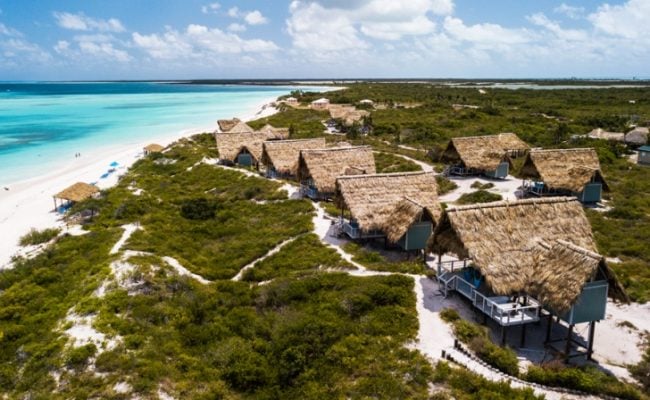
x: 508, y: 203
x: 339, y: 148
x: 562, y: 150
x: 386, y: 175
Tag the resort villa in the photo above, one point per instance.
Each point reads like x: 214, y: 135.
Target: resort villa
x: 152, y: 148
x: 601, y: 134
x: 525, y: 260
x: 347, y: 114
x: 243, y: 149
x: 319, y: 168
x: 482, y: 155
x: 73, y: 194
x: 292, y: 101
x: 277, y: 133
x: 320, y: 104
x: 565, y: 172
x: 402, y: 208
x: 280, y: 157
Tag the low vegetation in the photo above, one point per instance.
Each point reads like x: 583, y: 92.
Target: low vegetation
x: 445, y: 185
x: 34, y: 236
x: 586, y: 379
x: 482, y: 186
x: 387, y: 162
x: 477, y: 338
x: 479, y: 196
x: 375, y: 261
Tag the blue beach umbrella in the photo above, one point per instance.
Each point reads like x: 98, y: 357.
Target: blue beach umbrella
x: 114, y: 164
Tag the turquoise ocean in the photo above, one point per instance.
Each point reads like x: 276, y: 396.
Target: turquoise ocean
x: 43, y: 125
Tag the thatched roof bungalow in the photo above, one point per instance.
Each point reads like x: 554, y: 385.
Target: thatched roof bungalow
x: 225, y: 125
x: 482, y: 155
x: 601, y: 134
x: 281, y: 156
x: 541, y: 251
x: 319, y: 168
x: 73, y: 194
x: 153, y: 148
x: 276, y: 133
x: 402, y: 207
x: 242, y: 148
x: 637, y: 136
x: 574, y: 172
x: 241, y: 127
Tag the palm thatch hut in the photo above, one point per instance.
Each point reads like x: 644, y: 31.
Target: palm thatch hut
x: 276, y: 133
x: 644, y: 155
x: 242, y: 148
x: 571, y: 172
x: 319, y: 168
x: 637, y: 136
x: 482, y: 155
x: 401, y: 207
x: 281, y: 156
x: 241, y: 127
x: 152, y: 148
x: 225, y: 125
x: 73, y: 194
x: 526, y: 256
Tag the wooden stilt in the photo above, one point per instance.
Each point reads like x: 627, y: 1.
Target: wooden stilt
x: 503, y: 335
x: 590, y: 344
x: 567, y: 348
x: 523, y: 335
x: 54, y: 198
x: 549, y: 328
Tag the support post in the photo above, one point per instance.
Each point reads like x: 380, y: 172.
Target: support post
x: 567, y: 348
x: 54, y: 198
x: 503, y: 335
x: 549, y: 328
x: 590, y: 344
x: 523, y: 335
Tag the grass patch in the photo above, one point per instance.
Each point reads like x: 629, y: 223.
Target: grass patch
x: 479, y: 196
x: 306, y: 253
x: 482, y: 186
x: 387, y: 163
x: 34, y: 236
x: 376, y: 261
x: 303, y: 123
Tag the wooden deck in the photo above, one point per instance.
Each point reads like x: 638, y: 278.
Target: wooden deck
x: 498, y: 308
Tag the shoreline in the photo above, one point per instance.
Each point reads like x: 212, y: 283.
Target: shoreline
x: 28, y: 203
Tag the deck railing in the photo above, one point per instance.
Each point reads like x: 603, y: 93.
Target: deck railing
x: 355, y: 232
x: 504, y: 313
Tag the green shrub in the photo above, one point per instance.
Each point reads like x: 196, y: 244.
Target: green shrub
x: 445, y: 185
x: 34, y: 236
x: 466, y: 331
x: 78, y: 357
x: 502, y: 358
x: 587, y: 379
x: 479, y: 196
x: 198, y: 209
x: 479, y: 185
x: 449, y: 315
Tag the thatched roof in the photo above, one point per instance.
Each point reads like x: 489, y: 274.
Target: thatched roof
x: 564, y: 169
x: 637, y: 136
x: 482, y: 152
x: 323, y: 166
x: 241, y: 127
x: 276, y: 133
x: 389, y: 202
x: 503, y: 240
x: 230, y: 145
x: 225, y: 125
x: 339, y: 111
x: 601, y: 134
x: 77, y: 192
x: 284, y: 154
x: 153, y: 148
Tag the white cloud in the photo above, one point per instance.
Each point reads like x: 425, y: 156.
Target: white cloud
x: 570, y: 11
x: 15, y: 50
x: 235, y: 27
x: 485, y: 33
x: 255, y: 18
x: 233, y: 12
x: 542, y: 20
x: 628, y: 20
x: 198, y: 41
x: 92, y: 48
x: 210, y: 8
x: 62, y: 46
x: 81, y: 22
x: 105, y: 51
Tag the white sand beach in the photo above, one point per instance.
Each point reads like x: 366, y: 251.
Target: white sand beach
x: 29, y: 204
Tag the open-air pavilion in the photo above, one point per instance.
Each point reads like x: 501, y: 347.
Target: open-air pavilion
x: 73, y: 194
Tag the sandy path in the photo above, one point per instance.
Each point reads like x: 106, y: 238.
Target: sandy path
x: 274, y: 250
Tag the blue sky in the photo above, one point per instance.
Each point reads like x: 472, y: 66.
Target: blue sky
x: 174, y: 39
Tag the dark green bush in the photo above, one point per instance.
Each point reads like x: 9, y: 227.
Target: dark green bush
x: 502, y: 358
x: 198, y: 209
x: 34, y: 236
x: 449, y: 315
x: 445, y: 185
x: 78, y: 357
x: 479, y: 185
